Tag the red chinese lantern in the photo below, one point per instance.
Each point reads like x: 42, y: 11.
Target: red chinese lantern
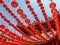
x: 54, y: 11
x: 1, y: 2
x: 33, y: 12
x: 17, y: 37
x: 11, y: 34
x: 32, y: 26
x: 5, y: 31
x: 27, y: 2
x: 52, y: 5
x: 38, y: 1
x: 27, y: 21
x: 4, y: 5
x: 2, y: 26
x: 19, y: 11
x: 23, y: 16
x: 43, y: 11
x: 14, y: 34
x: 14, y: 4
x: 31, y: 9
x: 40, y: 4
x: 29, y: 6
x: 42, y: 7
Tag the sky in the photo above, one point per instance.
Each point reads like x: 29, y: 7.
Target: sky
x: 26, y: 11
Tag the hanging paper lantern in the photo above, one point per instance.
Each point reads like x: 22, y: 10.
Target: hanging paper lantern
x: 17, y: 37
x: 27, y: 21
x: 8, y: 10
x: 40, y: 4
x: 29, y: 6
x: 52, y: 5
x: 38, y: 1
x: 6, y: 31
x: 27, y: 2
x: 32, y: 26
x: 14, y: 4
x: 11, y: 34
x: 14, y: 16
x: 23, y: 16
x: 54, y: 11
x: 42, y: 8
x: 19, y: 11
x: 44, y: 14
x: 2, y: 26
x: 33, y: 12
x: 1, y: 2
x: 31, y: 9
x: 43, y: 11
x: 5, y: 6
x: 14, y: 34
x: 2, y: 16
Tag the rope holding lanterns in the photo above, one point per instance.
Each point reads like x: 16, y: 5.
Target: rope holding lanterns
x: 14, y: 4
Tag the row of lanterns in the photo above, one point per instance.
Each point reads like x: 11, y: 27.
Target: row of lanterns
x: 36, y: 18
x: 6, y: 31
x: 55, y: 16
x: 19, y: 11
x: 9, y: 43
x: 12, y: 25
x: 14, y: 4
x: 45, y: 16
x: 15, y: 17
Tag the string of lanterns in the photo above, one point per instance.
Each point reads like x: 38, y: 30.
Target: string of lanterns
x: 55, y: 16
x: 15, y: 17
x: 12, y: 35
x: 45, y: 16
x: 21, y: 39
x: 36, y: 18
x: 6, y: 31
x: 9, y: 43
x: 20, y: 12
